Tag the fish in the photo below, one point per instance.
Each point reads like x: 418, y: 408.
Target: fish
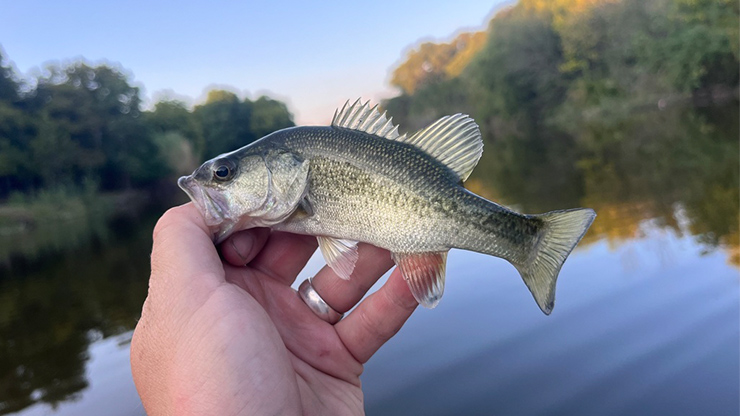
x: 359, y: 180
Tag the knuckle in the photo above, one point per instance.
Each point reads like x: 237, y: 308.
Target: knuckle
x: 376, y: 327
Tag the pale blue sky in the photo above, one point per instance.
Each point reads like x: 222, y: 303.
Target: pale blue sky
x: 312, y: 55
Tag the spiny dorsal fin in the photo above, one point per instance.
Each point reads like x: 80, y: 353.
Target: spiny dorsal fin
x: 362, y: 117
x: 453, y: 140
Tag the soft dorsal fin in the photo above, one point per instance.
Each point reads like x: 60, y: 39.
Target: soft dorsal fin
x: 453, y: 140
x: 362, y: 117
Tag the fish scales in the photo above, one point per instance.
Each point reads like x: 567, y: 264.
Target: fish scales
x: 358, y: 180
x: 389, y: 194
x: 355, y: 177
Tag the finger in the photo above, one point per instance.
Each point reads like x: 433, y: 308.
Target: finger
x: 182, y: 246
x: 240, y: 248
x: 342, y: 294
x: 186, y: 268
x: 377, y: 318
x: 305, y: 335
x: 284, y: 255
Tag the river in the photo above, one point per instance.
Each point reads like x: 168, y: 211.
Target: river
x: 646, y: 322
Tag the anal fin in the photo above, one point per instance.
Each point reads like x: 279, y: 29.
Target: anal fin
x: 341, y: 255
x: 425, y: 275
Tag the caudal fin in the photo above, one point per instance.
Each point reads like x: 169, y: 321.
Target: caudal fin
x: 561, y: 232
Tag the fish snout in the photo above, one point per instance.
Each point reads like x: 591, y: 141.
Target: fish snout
x: 194, y: 192
x: 185, y: 183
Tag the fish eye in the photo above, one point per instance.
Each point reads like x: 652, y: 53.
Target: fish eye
x: 222, y: 173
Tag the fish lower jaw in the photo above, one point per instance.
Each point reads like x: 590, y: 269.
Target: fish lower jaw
x: 224, y: 228
x: 222, y: 231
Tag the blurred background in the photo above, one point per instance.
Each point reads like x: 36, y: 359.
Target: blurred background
x: 629, y: 107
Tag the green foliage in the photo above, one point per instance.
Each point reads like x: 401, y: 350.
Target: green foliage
x: 520, y: 65
x: 563, y: 62
x: 174, y: 117
x: 225, y: 120
x: 8, y: 85
x: 177, y: 151
x: 16, y: 128
x: 269, y: 115
x: 79, y: 121
x: 434, y: 62
x: 589, y: 103
x: 229, y: 123
x: 694, y: 43
x: 82, y: 121
x: 428, y: 103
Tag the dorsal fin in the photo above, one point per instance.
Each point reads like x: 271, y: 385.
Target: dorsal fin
x: 362, y: 117
x: 453, y: 140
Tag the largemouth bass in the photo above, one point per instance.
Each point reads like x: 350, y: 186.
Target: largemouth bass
x: 359, y: 180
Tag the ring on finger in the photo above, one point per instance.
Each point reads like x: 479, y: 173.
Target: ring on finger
x: 317, y: 304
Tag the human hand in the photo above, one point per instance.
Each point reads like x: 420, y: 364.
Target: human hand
x: 217, y: 337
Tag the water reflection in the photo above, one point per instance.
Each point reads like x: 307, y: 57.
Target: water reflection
x: 646, y: 328
x: 673, y: 171
x: 52, y: 309
x: 671, y: 165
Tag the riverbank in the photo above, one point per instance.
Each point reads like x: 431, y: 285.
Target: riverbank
x: 58, y: 220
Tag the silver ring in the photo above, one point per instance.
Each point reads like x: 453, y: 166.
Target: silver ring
x: 318, y: 305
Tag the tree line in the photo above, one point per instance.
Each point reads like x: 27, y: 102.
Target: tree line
x: 626, y: 106
x: 80, y: 124
x: 558, y: 62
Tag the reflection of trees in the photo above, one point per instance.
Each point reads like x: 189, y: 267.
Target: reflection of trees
x: 566, y: 93
x: 651, y: 165
x: 62, y: 303
x: 671, y: 158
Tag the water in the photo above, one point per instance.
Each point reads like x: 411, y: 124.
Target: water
x: 646, y: 319
x: 635, y: 331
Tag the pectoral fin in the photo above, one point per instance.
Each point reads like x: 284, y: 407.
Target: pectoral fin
x: 425, y: 275
x: 340, y: 255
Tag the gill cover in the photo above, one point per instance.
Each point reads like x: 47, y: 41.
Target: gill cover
x: 287, y: 185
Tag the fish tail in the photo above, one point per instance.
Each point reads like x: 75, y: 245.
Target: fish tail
x: 561, y: 231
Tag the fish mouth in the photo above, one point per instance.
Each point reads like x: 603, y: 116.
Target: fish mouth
x: 212, y: 205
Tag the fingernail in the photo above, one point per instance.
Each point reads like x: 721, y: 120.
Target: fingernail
x: 242, y: 246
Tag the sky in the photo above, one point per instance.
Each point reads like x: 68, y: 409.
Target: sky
x: 312, y: 55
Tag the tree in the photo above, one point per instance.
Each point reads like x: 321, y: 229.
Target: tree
x: 92, y: 123
x: 694, y: 43
x: 269, y: 115
x: 173, y: 117
x: 436, y: 62
x: 16, y: 130
x: 518, y: 71
x: 225, y: 122
x: 8, y: 84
